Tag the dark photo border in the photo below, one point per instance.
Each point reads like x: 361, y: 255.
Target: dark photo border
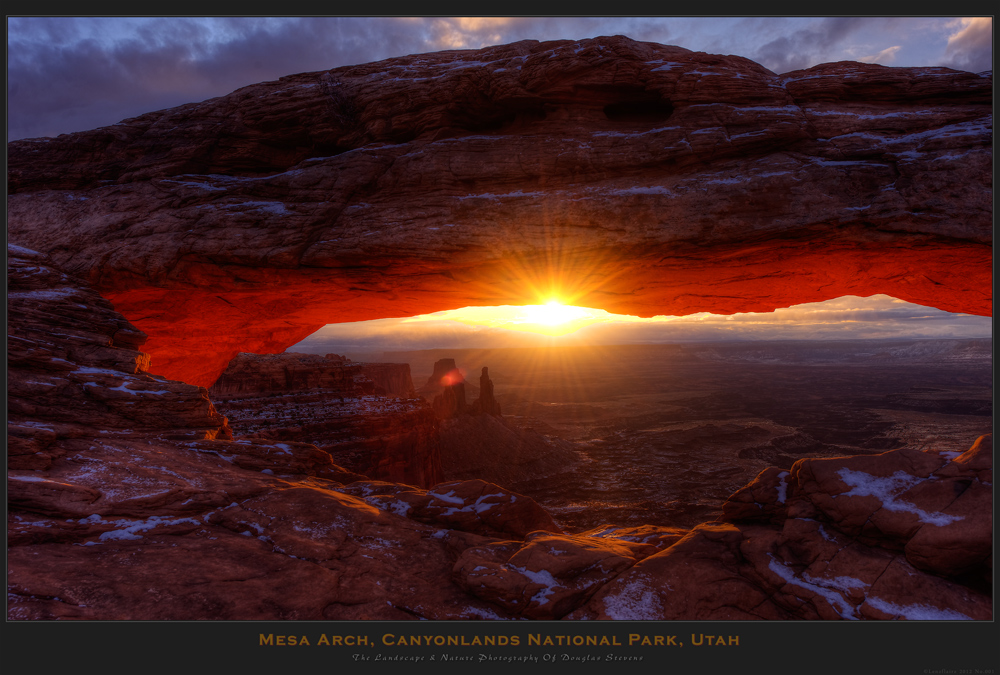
x: 265, y: 648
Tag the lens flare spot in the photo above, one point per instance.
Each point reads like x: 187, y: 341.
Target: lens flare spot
x: 453, y: 377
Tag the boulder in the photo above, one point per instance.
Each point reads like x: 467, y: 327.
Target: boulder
x: 697, y: 578
x: 546, y: 577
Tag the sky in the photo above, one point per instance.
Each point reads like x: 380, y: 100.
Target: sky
x: 68, y: 74
x: 849, y: 317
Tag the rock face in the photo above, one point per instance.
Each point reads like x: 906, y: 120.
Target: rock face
x: 470, y: 506
x: 900, y: 535
x: 74, y: 371
x: 391, y: 379
x: 546, y: 576
x: 447, y: 386
x: 337, y: 406
x: 925, y: 505
x: 450, y: 403
x: 445, y: 373
x: 635, y: 177
x: 445, y: 389
x: 261, y: 374
x: 127, y: 500
x: 487, y: 403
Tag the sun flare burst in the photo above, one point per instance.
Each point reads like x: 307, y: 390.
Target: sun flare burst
x: 554, y: 314
x: 553, y: 318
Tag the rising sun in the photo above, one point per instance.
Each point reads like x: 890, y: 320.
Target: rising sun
x: 553, y: 314
x: 553, y: 318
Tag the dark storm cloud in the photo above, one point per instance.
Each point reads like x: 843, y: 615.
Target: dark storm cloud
x: 62, y: 78
x: 807, y: 46
x: 72, y: 74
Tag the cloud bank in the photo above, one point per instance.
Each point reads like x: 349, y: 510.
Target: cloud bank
x: 846, y: 318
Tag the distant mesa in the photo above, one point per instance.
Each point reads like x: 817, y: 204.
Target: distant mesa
x: 446, y: 387
x: 445, y: 373
x: 365, y: 415
x: 261, y: 374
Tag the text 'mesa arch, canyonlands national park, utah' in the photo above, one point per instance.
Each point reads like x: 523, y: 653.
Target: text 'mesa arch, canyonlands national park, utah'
x: 639, y: 178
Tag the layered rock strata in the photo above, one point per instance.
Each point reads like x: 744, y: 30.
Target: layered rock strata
x: 390, y: 379
x: 487, y: 403
x: 74, y: 371
x: 339, y: 406
x: 128, y: 501
x: 635, y: 177
x: 263, y: 374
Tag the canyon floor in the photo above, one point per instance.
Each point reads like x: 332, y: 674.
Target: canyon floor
x: 666, y: 433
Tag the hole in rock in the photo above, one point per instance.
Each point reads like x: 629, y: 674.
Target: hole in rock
x: 639, y: 111
x: 629, y: 421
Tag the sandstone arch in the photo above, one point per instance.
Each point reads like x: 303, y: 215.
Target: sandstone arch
x: 498, y: 176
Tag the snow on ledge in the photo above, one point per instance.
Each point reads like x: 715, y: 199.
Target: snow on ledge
x: 916, y: 612
x: 829, y: 589
x: 885, y: 489
x: 634, y: 602
x: 782, y: 487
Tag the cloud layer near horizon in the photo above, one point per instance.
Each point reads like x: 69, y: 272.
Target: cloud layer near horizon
x: 849, y: 317
x: 68, y: 74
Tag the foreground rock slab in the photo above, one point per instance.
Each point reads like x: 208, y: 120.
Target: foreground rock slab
x: 900, y: 535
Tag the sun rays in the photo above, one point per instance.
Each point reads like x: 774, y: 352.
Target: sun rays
x: 553, y: 318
